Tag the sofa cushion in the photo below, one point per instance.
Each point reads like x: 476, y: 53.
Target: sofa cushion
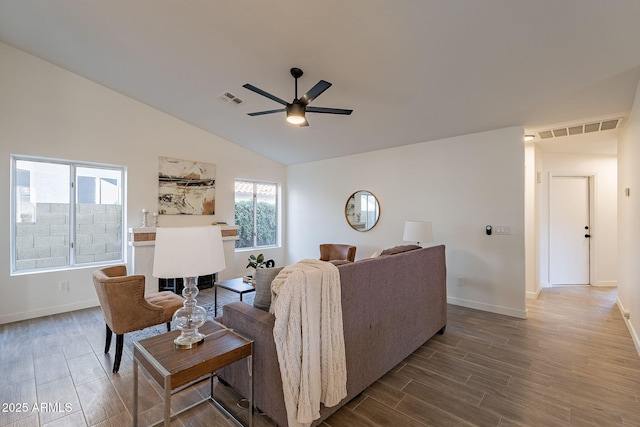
x: 264, y: 277
x: 399, y: 249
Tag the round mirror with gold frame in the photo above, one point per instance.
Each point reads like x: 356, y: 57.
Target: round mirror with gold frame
x: 362, y: 210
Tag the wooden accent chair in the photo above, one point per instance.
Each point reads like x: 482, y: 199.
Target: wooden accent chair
x: 126, y: 308
x: 331, y: 251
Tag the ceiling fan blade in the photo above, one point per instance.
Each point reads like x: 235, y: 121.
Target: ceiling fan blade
x: 265, y: 94
x: 261, y: 113
x: 303, y: 124
x: 328, y: 110
x: 314, y: 92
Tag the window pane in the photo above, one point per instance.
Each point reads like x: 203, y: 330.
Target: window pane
x: 256, y: 214
x: 41, y: 215
x: 244, y: 213
x: 266, y: 215
x: 56, y: 227
x: 98, y: 215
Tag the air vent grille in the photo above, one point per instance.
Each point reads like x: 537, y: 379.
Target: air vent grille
x: 609, y: 124
x: 580, y: 129
x: 545, y: 134
x: 230, y: 98
x: 560, y: 132
x: 576, y: 130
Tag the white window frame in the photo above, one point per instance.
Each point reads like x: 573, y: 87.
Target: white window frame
x: 73, y: 165
x: 278, y: 214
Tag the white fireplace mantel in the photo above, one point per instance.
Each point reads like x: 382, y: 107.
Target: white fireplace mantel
x: 143, y: 241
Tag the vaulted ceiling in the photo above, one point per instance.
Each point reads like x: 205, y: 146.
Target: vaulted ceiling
x: 411, y: 70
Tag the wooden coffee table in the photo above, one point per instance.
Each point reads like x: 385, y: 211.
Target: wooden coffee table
x: 234, y: 285
x: 174, y: 368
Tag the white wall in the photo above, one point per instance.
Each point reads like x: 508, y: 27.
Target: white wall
x: 603, y: 170
x: 460, y: 184
x: 628, y: 220
x: 530, y: 218
x: 47, y: 111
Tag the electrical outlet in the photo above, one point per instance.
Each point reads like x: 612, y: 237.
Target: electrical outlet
x: 460, y: 281
x: 63, y: 286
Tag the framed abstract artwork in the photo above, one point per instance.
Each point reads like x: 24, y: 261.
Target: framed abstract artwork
x: 186, y: 187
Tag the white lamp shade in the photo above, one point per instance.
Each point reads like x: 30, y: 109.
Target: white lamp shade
x: 417, y: 231
x: 188, y: 251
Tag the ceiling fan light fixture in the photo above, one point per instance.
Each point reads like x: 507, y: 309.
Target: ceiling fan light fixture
x: 295, y: 114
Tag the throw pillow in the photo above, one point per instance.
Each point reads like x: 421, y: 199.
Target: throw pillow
x: 264, y: 277
x: 400, y: 249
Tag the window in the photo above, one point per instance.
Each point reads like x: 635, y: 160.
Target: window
x: 65, y: 214
x: 256, y: 214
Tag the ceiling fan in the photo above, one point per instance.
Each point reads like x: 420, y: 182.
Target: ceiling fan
x: 297, y: 109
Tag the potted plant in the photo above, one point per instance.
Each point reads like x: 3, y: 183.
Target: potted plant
x: 257, y: 262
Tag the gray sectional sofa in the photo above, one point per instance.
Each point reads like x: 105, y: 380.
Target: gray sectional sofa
x: 391, y: 305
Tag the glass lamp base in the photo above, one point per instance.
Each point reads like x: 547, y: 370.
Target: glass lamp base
x: 189, y: 340
x: 190, y: 317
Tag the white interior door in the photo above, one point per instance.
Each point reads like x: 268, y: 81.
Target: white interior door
x: 569, y: 230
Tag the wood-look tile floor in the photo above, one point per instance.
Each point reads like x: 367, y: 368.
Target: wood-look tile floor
x: 572, y: 362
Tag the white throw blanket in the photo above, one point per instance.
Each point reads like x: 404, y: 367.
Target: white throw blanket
x: 309, y: 338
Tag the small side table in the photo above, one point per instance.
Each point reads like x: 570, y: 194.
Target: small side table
x: 171, y: 367
x: 234, y: 285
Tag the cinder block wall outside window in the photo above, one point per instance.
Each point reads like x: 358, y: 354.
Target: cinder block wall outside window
x: 43, y: 242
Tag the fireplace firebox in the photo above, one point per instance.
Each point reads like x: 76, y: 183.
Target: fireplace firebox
x: 176, y: 285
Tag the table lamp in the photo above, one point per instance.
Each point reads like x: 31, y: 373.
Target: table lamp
x: 417, y: 231
x: 188, y: 252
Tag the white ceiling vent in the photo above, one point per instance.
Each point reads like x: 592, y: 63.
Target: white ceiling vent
x: 580, y: 129
x: 230, y: 98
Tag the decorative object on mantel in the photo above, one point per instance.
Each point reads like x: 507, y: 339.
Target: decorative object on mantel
x: 417, y: 231
x: 154, y: 219
x: 186, y: 187
x: 144, y: 218
x: 188, y: 252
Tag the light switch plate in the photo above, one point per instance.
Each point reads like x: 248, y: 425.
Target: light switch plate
x: 502, y: 229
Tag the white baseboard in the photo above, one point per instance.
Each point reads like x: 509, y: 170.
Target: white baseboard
x: 25, y: 315
x: 533, y: 295
x: 536, y: 293
x: 522, y: 314
x: 607, y: 283
x: 632, y: 331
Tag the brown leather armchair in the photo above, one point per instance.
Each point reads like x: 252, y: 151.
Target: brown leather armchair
x: 331, y: 251
x: 126, y: 308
